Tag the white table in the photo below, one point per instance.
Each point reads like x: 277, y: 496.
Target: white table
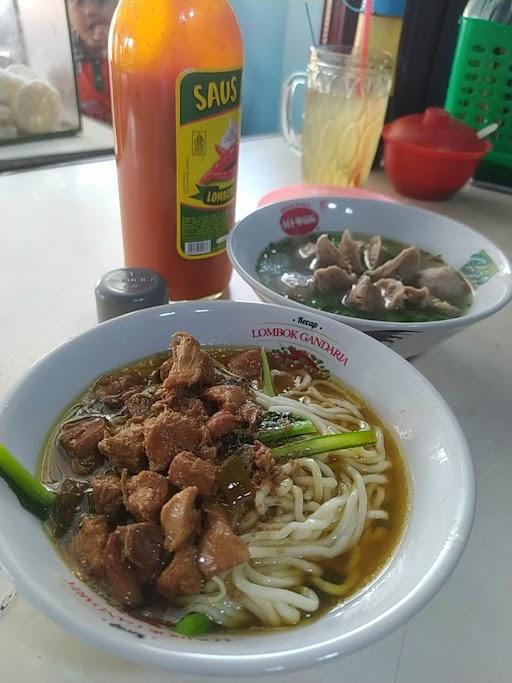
x: 59, y: 231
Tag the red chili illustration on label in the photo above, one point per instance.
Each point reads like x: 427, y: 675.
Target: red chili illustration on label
x: 224, y: 169
x: 299, y: 221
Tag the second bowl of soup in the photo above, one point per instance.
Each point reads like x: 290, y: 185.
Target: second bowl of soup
x: 408, y: 277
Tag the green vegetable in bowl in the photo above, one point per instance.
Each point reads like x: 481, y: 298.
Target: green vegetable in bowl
x: 195, y: 624
x: 234, y: 479
x: 267, y: 387
x: 35, y: 497
x: 59, y: 506
x: 233, y: 476
x: 324, y: 444
x: 278, y: 426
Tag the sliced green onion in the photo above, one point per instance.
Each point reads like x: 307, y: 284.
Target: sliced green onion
x: 30, y: 492
x: 285, y: 431
x: 195, y: 624
x: 324, y: 444
x: 267, y: 386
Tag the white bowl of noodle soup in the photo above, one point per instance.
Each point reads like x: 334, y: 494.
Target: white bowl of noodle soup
x: 484, y: 267
x: 439, y: 482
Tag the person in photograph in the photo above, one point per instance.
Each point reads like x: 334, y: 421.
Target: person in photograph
x: 90, y: 23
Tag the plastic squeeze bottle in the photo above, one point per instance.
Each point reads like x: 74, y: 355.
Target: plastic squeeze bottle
x: 176, y: 72
x: 386, y: 26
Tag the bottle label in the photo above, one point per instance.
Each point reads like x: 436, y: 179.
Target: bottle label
x: 207, y: 142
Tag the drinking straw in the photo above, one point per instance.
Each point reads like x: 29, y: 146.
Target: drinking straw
x: 310, y: 23
x: 365, y: 33
x: 365, y: 40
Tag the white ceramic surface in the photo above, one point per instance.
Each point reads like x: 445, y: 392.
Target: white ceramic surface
x: 457, y: 243
x: 438, y: 461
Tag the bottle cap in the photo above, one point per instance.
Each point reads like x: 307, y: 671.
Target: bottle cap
x: 389, y: 8
x: 129, y: 289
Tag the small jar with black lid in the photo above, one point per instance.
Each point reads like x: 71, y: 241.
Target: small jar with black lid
x: 129, y: 289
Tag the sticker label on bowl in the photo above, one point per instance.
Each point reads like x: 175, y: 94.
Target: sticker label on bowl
x: 122, y: 621
x: 309, y: 338
x: 479, y: 269
x: 299, y: 220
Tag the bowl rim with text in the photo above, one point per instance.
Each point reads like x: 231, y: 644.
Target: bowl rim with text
x: 438, y: 462
x: 459, y: 245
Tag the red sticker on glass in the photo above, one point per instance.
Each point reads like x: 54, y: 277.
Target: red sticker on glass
x: 299, y: 221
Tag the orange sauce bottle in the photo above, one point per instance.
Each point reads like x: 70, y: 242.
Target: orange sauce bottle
x: 176, y: 72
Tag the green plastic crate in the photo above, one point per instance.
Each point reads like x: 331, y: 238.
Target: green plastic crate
x: 480, y: 87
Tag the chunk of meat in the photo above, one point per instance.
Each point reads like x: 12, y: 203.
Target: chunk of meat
x: 263, y: 458
x: 189, y: 406
x: 220, y: 548
x: 220, y: 424
x: 191, y: 365
x: 308, y: 250
x: 120, y: 575
x: 250, y: 413
x: 225, y: 397
x: 188, y: 470
x: 140, y: 403
x: 393, y: 292
x: 333, y: 280
x: 145, y: 494
x: 417, y: 297
x: 179, y: 518
x: 110, y: 388
x: 208, y: 452
x: 403, y: 267
x: 263, y: 464
x: 165, y: 368
x: 125, y: 448
x: 326, y: 253
x: 168, y: 434
x: 88, y: 545
x: 181, y: 576
x: 247, y: 364
x: 365, y: 296
x: 143, y: 549
x: 373, y: 252
x: 443, y: 283
x: 177, y: 400
x: 107, y: 495
x: 80, y: 439
x: 350, y: 252
x: 397, y: 295
x: 445, y: 308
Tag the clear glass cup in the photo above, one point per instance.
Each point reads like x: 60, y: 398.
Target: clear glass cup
x: 345, y: 102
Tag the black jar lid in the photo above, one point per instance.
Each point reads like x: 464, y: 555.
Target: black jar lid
x: 129, y: 289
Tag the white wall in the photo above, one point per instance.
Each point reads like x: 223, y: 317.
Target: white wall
x: 277, y: 39
x: 297, y: 36
x: 263, y: 24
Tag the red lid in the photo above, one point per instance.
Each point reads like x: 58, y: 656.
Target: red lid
x: 304, y: 191
x: 435, y: 130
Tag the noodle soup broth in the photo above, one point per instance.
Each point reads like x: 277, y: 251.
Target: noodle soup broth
x: 317, y: 529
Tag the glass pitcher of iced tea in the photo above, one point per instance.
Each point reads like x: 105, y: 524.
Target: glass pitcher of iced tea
x: 345, y: 104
